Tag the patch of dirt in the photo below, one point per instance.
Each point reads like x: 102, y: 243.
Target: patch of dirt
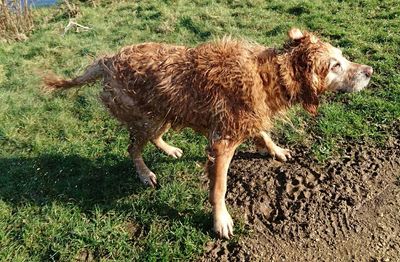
x: 347, y: 209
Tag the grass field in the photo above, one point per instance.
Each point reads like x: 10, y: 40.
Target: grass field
x: 67, y: 188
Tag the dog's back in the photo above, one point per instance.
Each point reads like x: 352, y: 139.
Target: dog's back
x: 212, y: 84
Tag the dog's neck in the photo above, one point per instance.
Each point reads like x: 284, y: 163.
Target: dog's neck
x: 289, y: 81
x: 273, y: 71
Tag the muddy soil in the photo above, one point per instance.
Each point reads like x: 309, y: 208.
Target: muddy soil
x: 347, y: 209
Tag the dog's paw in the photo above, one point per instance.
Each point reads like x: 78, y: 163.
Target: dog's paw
x: 281, y: 154
x: 148, y: 178
x: 174, y: 152
x: 277, y: 152
x: 223, y: 224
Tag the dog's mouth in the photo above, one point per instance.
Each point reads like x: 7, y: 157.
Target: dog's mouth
x: 352, y: 89
x: 362, y: 78
x: 358, y: 82
x: 361, y: 85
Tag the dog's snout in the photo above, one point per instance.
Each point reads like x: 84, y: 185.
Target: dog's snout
x: 368, y: 71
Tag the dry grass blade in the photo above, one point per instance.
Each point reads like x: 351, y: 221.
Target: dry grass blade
x: 15, y: 20
x: 78, y: 27
x: 71, y: 9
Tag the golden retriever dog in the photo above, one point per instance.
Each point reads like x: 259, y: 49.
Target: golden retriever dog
x: 227, y: 90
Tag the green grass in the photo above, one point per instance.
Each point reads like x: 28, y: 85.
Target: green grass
x: 68, y: 189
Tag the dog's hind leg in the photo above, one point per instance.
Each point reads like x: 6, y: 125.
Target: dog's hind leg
x: 138, y: 140
x: 159, y: 142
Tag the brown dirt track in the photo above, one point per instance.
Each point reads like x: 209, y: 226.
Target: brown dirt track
x: 347, y: 209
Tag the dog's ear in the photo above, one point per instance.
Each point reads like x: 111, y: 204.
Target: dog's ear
x: 314, y: 84
x: 309, y: 93
x: 295, y: 34
x: 306, y: 69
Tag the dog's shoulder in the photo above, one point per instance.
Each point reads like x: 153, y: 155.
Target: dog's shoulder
x: 227, y: 50
x: 227, y: 62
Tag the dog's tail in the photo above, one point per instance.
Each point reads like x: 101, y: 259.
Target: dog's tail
x: 92, y: 73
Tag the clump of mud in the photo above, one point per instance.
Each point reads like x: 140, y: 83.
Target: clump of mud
x: 346, y: 209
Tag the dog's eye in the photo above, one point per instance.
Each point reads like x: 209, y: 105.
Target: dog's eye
x: 336, y: 67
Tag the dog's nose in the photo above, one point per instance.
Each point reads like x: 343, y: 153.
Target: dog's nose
x: 368, y: 71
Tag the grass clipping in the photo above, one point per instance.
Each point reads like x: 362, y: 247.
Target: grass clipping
x: 15, y: 20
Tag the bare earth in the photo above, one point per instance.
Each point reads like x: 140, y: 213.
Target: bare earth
x: 347, y: 209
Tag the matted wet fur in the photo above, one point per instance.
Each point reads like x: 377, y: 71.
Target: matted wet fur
x: 228, y: 90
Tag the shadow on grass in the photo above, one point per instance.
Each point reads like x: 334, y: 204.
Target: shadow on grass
x: 108, y: 183
x: 69, y: 178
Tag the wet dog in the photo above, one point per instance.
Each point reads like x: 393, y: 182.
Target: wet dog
x: 227, y: 90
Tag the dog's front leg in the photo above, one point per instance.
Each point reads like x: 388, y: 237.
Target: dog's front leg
x: 220, y: 156
x: 264, y: 144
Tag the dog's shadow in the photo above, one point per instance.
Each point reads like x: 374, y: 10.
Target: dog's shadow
x: 108, y: 183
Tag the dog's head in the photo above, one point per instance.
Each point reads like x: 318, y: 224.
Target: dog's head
x: 317, y: 66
